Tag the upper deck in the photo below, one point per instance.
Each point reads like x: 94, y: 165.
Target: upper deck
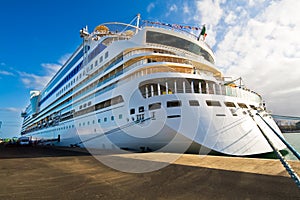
x: 177, y: 38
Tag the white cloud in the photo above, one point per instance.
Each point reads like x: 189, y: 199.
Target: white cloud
x: 210, y: 11
x: 10, y: 109
x: 51, y: 68
x: 265, y: 51
x: 230, y: 18
x: 6, y: 73
x: 64, y: 58
x: 257, y: 40
x: 211, y: 14
x: 34, y: 81
x: 186, y: 8
x: 38, y: 82
x: 255, y: 2
x: 150, y: 7
x: 173, y: 8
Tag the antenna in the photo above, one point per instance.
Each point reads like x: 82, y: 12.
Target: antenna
x: 138, y: 22
x: 84, y: 34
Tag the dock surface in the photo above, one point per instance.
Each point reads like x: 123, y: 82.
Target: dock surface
x: 62, y: 173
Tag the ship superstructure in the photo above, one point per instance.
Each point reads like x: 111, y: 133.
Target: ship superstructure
x: 151, y: 87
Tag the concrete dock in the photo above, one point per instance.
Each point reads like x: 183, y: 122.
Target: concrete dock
x: 62, y: 173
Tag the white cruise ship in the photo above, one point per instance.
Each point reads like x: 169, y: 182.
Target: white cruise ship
x: 147, y: 87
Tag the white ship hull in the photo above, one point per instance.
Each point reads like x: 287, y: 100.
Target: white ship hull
x: 148, y: 109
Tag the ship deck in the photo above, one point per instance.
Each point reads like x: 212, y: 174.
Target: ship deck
x: 71, y: 173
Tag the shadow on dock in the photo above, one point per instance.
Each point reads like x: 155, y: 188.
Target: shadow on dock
x: 8, y: 151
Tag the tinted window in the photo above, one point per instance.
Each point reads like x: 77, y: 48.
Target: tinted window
x: 194, y: 103
x: 154, y: 106
x: 230, y: 104
x: 170, y: 40
x: 242, y: 105
x: 173, y: 103
x: 141, y: 109
x: 253, y: 107
x: 132, y: 111
x: 213, y: 103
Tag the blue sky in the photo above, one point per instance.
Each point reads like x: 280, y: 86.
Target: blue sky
x: 255, y: 39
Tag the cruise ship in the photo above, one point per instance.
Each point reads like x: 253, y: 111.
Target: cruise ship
x: 148, y: 86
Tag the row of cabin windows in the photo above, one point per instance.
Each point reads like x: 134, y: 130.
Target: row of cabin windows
x: 65, y: 127
x: 157, y: 105
x: 67, y: 86
x: 85, y: 105
x: 161, y: 86
x: 64, y: 89
x: 105, y: 119
x: 177, y: 103
x: 100, y: 61
x: 101, y: 105
x: 228, y: 104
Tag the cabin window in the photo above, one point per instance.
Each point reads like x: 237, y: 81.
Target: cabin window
x: 155, y: 106
x: 141, y: 109
x: 242, y: 105
x: 132, y: 111
x: 175, y: 103
x: 213, y: 103
x: 194, y: 103
x: 106, y: 55
x: 229, y: 104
